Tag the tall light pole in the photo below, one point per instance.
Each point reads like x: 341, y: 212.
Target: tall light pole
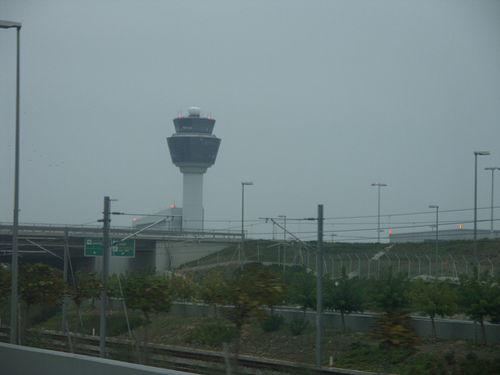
x: 476, y: 153
x: 243, y: 184
x: 437, y: 236
x: 492, y: 169
x: 15, y: 223
x: 378, y: 226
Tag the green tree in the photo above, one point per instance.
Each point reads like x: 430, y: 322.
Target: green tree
x: 84, y: 287
x: 303, y: 290
x: 479, y: 298
x: 150, y: 293
x: 248, y: 292
x: 114, y: 280
x: 390, y: 293
x: 39, y: 285
x: 5, y: 282
x: 212, y: 288
x: 344, y: 295
x: 433, y: 299
x: 393, y: 330
x: 183, y: 288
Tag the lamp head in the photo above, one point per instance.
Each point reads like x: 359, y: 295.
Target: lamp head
x: 9, y: 24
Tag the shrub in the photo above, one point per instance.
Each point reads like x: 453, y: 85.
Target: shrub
x: 394, y: 331
x: 272, y: 322
x: 298, y: 325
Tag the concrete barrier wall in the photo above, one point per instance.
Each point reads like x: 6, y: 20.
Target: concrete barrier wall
x: 445, y: 328
x: 22, y: 360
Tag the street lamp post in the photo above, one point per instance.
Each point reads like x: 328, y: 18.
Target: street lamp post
x: 476, y: 153
x: 378, y: 226
x: 15, y: 223
x: 243, y: 184
x: 492, y: 169
x: 437, y: 236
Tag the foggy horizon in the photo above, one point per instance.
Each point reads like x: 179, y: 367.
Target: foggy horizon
x: 314, y: 101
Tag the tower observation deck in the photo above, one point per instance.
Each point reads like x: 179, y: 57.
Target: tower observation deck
x: 193, y: 148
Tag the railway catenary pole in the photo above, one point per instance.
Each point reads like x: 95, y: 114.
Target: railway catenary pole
x: 319, y: 289
x: 65, y: 277
x: 105, y: 271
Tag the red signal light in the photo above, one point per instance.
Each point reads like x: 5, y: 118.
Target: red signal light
x: 134, y: 219
x: 173, y: 206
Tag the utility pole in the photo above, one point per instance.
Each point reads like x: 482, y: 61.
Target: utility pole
x: 492, y: 169
x: 242, y: 253
x: 105, y: 271
x: 437, y: 234
x: 319, y: 289
x: 476, y: 153
x: 65, y: 277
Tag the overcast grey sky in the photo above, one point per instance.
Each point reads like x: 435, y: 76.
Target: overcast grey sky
x: 314, y: 102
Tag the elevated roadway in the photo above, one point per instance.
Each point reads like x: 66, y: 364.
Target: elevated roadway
x: 162, y: 249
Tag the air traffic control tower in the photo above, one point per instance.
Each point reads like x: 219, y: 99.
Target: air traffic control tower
x: 193, y: 149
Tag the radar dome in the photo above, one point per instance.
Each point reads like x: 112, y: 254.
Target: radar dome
x: 194, y: 112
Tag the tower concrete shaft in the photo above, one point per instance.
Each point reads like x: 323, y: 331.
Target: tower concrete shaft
x: 193, y: 148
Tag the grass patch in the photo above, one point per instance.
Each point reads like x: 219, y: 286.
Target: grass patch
x: 90, y: 322
x: 211, y: 334
x: 369, y: 357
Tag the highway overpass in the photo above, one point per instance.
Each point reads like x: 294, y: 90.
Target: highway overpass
x: 164, y: 250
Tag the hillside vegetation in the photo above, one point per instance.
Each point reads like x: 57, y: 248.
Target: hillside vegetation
x: 367, y: 259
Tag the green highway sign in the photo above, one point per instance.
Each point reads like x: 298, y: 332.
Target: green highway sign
x: 93, y: 248
x: 123, y: 249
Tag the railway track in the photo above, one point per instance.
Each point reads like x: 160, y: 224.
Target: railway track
x: 175, y: 358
